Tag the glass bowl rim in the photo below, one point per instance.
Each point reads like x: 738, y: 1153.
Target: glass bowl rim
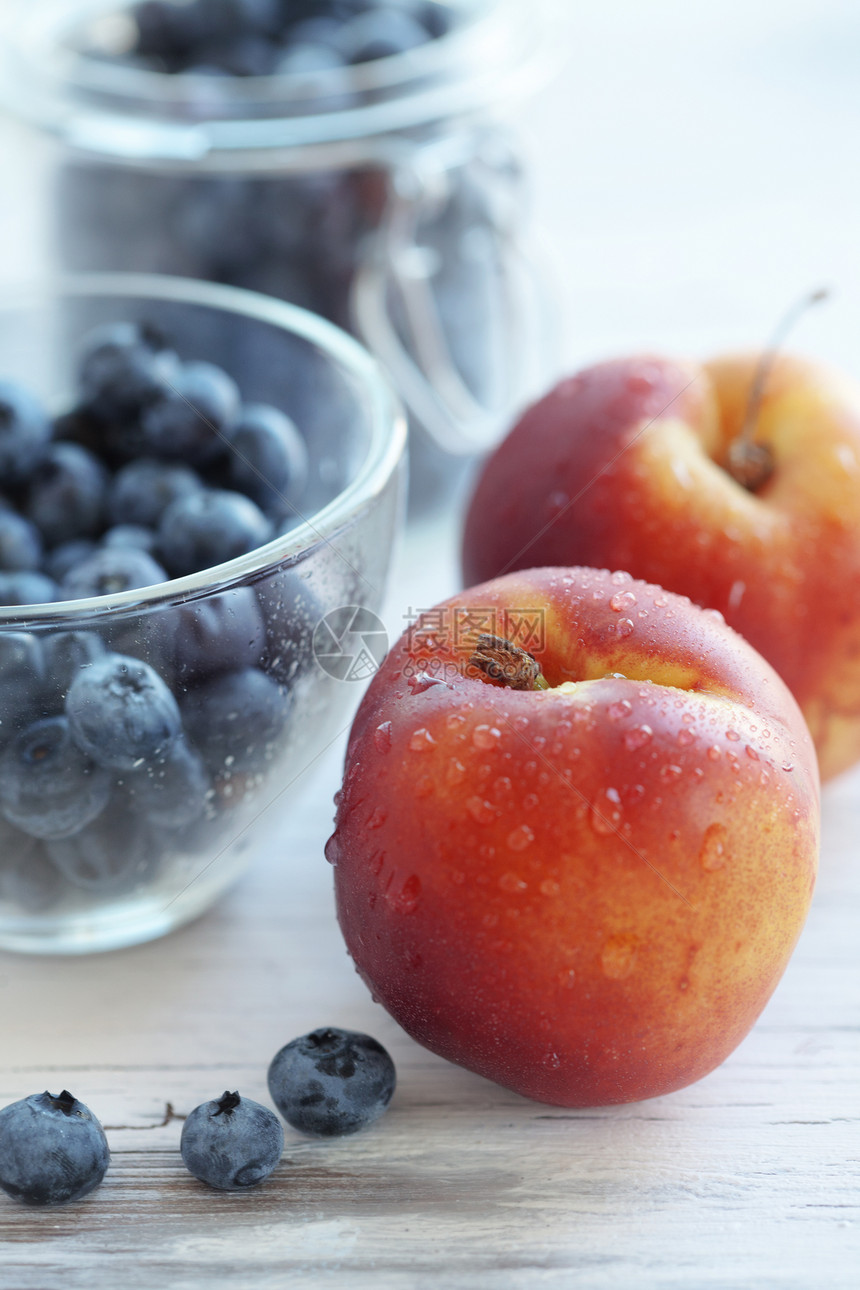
x: 384, y: 453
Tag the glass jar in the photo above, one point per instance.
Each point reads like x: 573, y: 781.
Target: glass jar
x: 113, y: 848
x: 389, y: 201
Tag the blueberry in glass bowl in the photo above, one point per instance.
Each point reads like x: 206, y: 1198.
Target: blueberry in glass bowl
x: 200, y: 476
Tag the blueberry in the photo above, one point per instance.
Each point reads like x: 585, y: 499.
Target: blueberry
x: 112, y: 855
x: 248, y: 56
x: 27, y: 877
x: 111, y: 570
x: 65, y: 556
x: 209, y: 528
x: 331, y: 1082
x: 227, y: 18
x: 309, y: 59
x: 49, y: 788
x: 67, y: 493
x: 382, y: 33
x: 268, y: 459
x: 190, y: 421
x: 166, y: 31
x: 52, y: 1149
x: 218, y: 634
x: 25, y: 588
x: 123, y: 369
x: 173, y: 790
x: 65, y: 654
x: 24, y: 432
x: 121, y: 713
x: 130, y: 535
x: 231, y: 1144
x: 291, y: 613
x: 236, y: 719
x: 22, y: 676
x: 20, y: 543
x: 141, y: 491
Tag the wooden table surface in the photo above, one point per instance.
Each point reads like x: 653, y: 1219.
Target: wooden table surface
x: 693, y: 173
x: 749, y: 1178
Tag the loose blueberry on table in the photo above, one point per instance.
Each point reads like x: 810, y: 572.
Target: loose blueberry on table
x: 331, y: 1082
x: 52, y: 1149
x: 232, y: 1143
x: 117, y: 745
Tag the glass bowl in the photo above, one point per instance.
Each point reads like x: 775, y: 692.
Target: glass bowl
x: 244, y: 652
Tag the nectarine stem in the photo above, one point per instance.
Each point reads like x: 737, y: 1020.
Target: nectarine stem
x: 750, y: 462
x: 502, y: 660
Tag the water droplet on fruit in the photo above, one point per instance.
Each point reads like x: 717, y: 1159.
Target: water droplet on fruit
x: 638, y: 738
x: 377, y: 819
x: 520, y: 838
x: 685, y: 738
x: 423, y: 681
x: 733, y: 735
x: 405, y: 901
x: 382, y: 737
x: 502, y: 787
x: 618, y: 956
x: 423, y: 786
x: 670, y: 773
x: 530, y: 801
x: 661, y: 602
x: 713, y: 850
x: 618, y: 711
x: 421, y: 740
x: 788, y: 766
x: 549, y: 887
x: 626, y: 627
x: 511, y: 883
x: 454, y: 719
x: 456, y: 772
x: 751, y: 753
x: 486, y: 736
x: 622, y: 600
x: 332, y: 850
x: 482, y: 812
x: 606, y: 812
x: 714, y: 753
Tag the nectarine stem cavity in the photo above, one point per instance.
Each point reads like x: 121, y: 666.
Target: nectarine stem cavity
x: 750, y: 462
x: 501, y: 660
